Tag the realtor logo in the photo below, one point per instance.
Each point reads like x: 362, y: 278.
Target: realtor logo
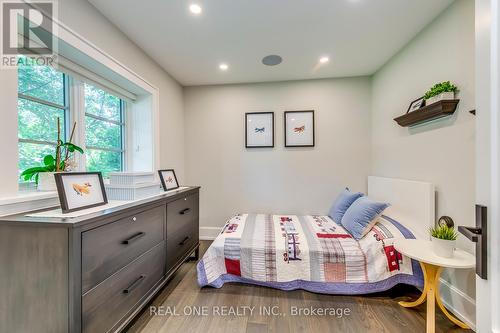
x: 27, y: 29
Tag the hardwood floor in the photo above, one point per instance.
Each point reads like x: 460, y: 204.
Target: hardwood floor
x: 371, y: 313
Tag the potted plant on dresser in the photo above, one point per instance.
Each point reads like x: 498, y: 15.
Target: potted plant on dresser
x: 440, y: 91
x: 443, y: 240
x: 62, y: 160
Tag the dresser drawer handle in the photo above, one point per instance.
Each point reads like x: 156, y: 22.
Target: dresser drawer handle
x: 184, y: 240
x: 185, y: 211
x: 134, y: 284
x: 134, y: 238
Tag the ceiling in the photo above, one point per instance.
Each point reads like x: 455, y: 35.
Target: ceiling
x: 358, y: 36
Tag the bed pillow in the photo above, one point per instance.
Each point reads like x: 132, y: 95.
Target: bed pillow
x: 342, y: 203
x: 362, y: 215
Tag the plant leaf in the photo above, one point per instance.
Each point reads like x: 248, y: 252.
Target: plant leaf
x: 33, y: 170
x: 48, y: 160
x: 78, y: 149
x: 72, y: 147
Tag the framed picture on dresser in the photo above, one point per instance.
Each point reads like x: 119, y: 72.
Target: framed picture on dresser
x: 299, y: 128
x: 168, y: 179
x: 259, y: 129
x: 80, y: 190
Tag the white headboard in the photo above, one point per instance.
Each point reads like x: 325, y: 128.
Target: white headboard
x: 412, y: 202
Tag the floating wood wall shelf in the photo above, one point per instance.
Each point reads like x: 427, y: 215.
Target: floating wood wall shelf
x: 429, y: 112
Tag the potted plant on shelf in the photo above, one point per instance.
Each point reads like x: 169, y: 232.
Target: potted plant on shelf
x: 443, y: 240
x: 440, y: 91
x: 62, y: 161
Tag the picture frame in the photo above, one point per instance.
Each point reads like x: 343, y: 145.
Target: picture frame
x: 416, y: 104
x: 259, y: 130
x: 80, y: 190
x: 299, y: 128
x: 168, y: 179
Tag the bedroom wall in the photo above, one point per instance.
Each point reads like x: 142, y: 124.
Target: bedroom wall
x: 234, y: 179
x: 442, y: 152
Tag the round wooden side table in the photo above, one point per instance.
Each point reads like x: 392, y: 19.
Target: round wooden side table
x: 432, y: 265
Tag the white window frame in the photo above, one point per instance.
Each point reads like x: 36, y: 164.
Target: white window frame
x: 27, y: 185
x: 122, y: 125
x: 65, y: 108
x: 74, y: 107
x: 144, y: 147
x: 78, y: 115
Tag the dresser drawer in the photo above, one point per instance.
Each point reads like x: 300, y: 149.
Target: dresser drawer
x: 105, y: 306
x: 182, y: 228
x: 178, y: 246
x: 108, y: 248
x: 180, y: 213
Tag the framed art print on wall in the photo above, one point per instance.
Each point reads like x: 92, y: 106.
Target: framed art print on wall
x: 80, y: 190
x: 299, y: 128
x: 259, y: 129
x: 168, y: 179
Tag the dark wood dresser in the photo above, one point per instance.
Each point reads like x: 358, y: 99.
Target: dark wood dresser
x: 93, y: 273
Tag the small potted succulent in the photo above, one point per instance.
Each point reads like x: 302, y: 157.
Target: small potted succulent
x: 440, y: 91
x: 43, y: 175
x: 443, y: 240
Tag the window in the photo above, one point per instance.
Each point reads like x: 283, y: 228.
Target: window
x: 104, y: 128
x: 42, y: 99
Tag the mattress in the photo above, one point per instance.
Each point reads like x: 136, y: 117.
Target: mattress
x: 307, y: 252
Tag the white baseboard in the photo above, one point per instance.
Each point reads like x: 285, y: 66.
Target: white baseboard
x: 209, y: 233
x: 458, y: 303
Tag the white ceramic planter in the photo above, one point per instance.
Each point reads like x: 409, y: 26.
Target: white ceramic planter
x: 440, y: 97
x: 443, y: 248
x: 46, y: 181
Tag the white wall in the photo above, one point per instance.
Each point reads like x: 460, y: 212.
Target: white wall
x: 8, y: 130
x: 444, y: 152
x: 292, y: 180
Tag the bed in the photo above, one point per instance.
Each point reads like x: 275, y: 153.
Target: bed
x: 314, y: 253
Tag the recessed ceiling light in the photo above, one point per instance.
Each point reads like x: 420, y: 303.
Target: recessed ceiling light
x: 223, y: 67
x: 272, y: 60
x: 195, y: 9
x: 324, y: 60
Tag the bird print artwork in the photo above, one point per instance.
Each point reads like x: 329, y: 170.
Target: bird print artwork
x: 260, y: 130
x: 82, y: 189
x: 300, y: 129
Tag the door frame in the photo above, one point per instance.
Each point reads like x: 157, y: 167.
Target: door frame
x: 495, y: 111
x: 487, y: 33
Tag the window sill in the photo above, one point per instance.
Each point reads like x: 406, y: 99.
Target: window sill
x: 26, y: 201
x: 24, y: 196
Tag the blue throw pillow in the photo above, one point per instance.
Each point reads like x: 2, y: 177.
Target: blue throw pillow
x: 363, y: 214
x: 342, y: 203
